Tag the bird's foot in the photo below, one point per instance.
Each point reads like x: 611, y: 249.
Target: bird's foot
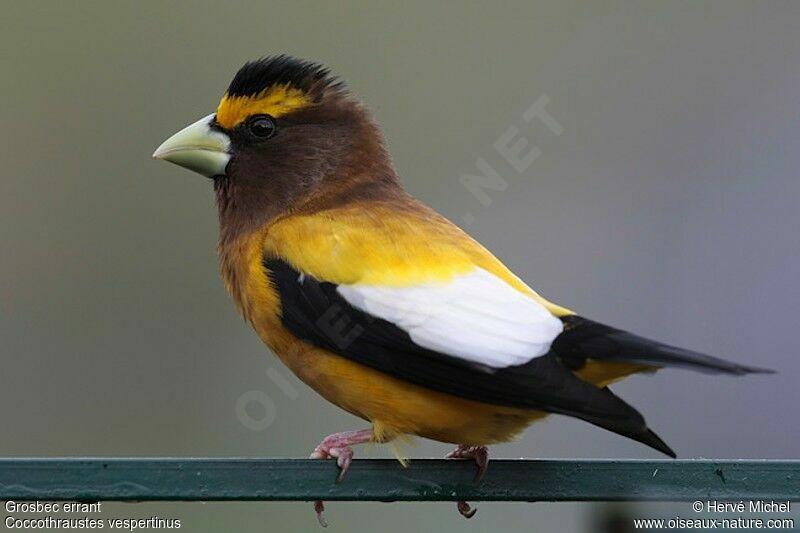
x: 479, y: 454
x: 338, y: 446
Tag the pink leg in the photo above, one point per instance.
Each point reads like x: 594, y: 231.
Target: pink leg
x: 338, y: 446
x: 479, y: 454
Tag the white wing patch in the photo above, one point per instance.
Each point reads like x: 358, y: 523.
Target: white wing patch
x: 477, y: 317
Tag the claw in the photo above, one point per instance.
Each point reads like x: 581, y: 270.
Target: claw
x: 344, y: 456
x: 319, y: 508
x: 465, y: 510
x: 482, y: 460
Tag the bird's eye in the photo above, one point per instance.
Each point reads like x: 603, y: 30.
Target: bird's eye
x: 261, y: 126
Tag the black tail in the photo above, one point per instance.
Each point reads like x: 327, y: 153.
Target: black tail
x: 654, y: 441
x: 644, y: 434
x: 585, y: 339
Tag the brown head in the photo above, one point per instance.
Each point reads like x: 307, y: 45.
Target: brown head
x: 286, y: 135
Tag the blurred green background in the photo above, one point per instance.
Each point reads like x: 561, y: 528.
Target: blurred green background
x: 668, y: 206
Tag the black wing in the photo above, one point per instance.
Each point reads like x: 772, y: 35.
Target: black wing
x: 314, y: 311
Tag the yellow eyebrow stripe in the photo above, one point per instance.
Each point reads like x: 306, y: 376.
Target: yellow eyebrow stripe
x: 274, y: 101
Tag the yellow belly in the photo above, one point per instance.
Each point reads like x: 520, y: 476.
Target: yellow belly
x: 397, y: 407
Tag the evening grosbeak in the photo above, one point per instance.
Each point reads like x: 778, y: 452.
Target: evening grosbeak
x: 377, y: 302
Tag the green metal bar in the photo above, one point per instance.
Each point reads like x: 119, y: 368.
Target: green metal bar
x: 205, y: 479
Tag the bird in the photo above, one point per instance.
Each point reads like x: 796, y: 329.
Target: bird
x: 377, y: 302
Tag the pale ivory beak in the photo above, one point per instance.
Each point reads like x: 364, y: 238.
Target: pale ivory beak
x: 198, y: 148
